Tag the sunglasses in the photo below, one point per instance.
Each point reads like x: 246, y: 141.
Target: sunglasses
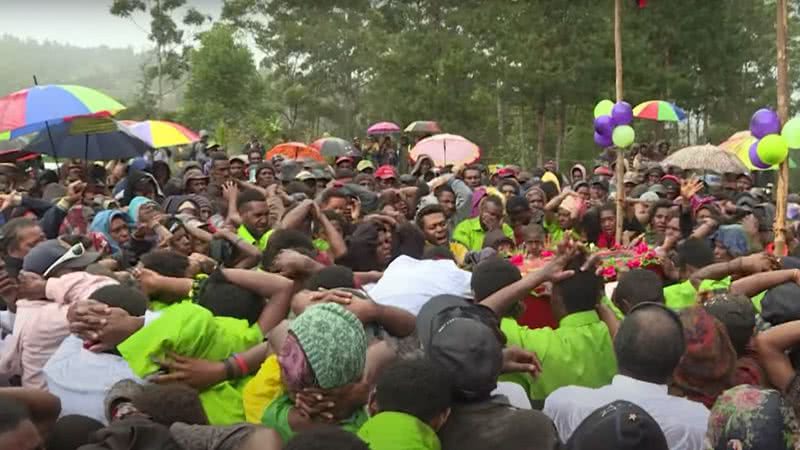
x: 74, y: 252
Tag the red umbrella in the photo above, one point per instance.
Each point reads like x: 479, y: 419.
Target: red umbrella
x: 295, y: 150
x: 383, y: 128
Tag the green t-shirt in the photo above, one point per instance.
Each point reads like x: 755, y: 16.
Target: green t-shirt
x: 191, y: 330
x: 470, y: 233
x: 398, y: 431
x: 276, y: 416
x: 261, y: 242
x: 683, y: 295
x: 579, y: 352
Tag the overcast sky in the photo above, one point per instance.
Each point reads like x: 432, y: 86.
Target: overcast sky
x: 85, y: 23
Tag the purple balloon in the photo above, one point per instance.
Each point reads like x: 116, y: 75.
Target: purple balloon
x: 754, y: 159
x: 604, y: 125
x: 602, y: 140
x: 622, y: 113
x: 764, y: 122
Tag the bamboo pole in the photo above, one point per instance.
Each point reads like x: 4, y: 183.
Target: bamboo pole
x: 620, y: 157
x: 782, y: 188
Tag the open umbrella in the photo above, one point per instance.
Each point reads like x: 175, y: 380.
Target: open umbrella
x: 160, y: 133
x: 446, y: 149
x: 423, y: 127
x: 383, y: 128
x: 739, y: 144
x: 31, y: 110
x: 705, y: 158
x: 659, y: 110
x: 295, y: 150
x: 332, y: 147
x: 89, y: 138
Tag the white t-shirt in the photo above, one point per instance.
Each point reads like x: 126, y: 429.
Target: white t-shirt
x: 409, y: 283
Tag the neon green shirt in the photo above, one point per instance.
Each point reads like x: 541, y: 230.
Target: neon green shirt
x: 398, y: 431
x: 261, y: 242
x: 470, y: 233
x: 191, y: 330
x: 320, y: 244
x: 579, y: 352
x: 276, y: 416
x: 683, y: 295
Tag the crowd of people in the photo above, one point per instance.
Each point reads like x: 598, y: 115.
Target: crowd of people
x: 237, y: 303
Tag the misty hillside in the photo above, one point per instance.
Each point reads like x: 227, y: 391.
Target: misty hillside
x: 113, y: 71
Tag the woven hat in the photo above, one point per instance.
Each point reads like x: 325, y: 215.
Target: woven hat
x: 334, y: 342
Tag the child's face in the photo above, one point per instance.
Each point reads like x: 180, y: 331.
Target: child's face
x: 534, y: 245
x: 505, y: 248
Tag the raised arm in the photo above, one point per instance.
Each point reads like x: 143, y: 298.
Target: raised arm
x: 772, y: 345
x: 760, y: 282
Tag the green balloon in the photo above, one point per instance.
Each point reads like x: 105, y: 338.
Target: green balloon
x: 623, y: 136
x: 791, y: 132
x: 772, y: 149
x: 603, y: 108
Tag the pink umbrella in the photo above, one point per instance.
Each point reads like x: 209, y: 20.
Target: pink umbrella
x: 383, y: 128
x: 446, y: 149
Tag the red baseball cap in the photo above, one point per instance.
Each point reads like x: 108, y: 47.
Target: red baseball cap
x: 342, y: 159
x: 385, y: 172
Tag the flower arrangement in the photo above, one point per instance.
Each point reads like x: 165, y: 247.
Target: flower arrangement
x: 622, y: 260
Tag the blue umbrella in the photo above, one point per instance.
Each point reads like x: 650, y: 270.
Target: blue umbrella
x: 89, y: 138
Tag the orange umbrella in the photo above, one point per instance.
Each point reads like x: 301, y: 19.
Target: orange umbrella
x: 295, y: 150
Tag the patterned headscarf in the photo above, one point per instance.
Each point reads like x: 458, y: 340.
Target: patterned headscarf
x: 756, y: 418
x: 734, y: 239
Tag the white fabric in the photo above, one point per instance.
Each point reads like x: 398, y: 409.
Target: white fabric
x: 514, y: 393
x: 409, y: 283
x: 684, y: 422
x: 81, y: 378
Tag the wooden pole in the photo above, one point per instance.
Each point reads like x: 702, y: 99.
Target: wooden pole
x: 620, y: 157
x: 782, y: 188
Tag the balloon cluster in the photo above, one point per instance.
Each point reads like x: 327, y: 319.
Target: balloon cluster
x: 770, y: 147
x: 612, y: 124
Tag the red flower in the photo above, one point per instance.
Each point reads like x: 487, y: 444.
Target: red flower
x: 516, y: 260
x: 609, y: 272
x: 650, y: 254
x: 634, y: 264
x: 546, y: 253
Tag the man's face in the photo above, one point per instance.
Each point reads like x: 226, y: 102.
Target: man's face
x: 628, y: 187
x: 255, y: 217
x: 24, y: 437
x: 577, y: 175
x: 434, y: 226
x: 255, y: 158
x: 520, y: 217
x: 597, y: 193
x: 237, y: 170
x: 585, y: 193
x: 653, y: 178
x: 221, y: 171
x: 607, y: 221
x: 660, y: 219
x: 534, y: 244
x: 550, y: 166
x: 6, y: 184
x: 673, y: 229
x: 74, y: 174
x: 337, y: 204
x: 447, y: 200
x: 346, y: 164
x: 672, y: 191
x: 564, y: 219
x: 535, y: 200
x: 387, y: 183
x: 197, y: 186
x: 508, y: 190
x: 367, y: 183
x: 743, y: 184
x: 491, y: 215
x: 265, y: 177
x: 27, y: 238
x: 472, y: 178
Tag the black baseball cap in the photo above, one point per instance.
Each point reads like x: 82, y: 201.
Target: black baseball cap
x: 42, y: 259
x: 620, y: 425
x: 603, y: 183
x: 464, y: 339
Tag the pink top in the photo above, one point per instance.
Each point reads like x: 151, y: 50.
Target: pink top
x: 41, y: 325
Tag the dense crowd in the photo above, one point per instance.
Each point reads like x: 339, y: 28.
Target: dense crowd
x: 196, y: 300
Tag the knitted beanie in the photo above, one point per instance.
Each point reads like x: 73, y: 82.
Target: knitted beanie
x: 334, y: 342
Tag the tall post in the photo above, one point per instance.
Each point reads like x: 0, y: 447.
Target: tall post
x: 782, y: 188
x: 620, y: 157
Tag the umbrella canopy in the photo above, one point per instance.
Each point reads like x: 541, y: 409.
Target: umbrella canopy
x: 707, y: 157
x: 332, y: 147
x: 295, y: 150
x: 423, y: 126
x: 159, y: 133
x: 89, y: 138
x: 383, y: 128
x: 739, y: 144
x: 27, y: 111
x: 16, y: 155
x: 659, y: 110
x: 446, y: 149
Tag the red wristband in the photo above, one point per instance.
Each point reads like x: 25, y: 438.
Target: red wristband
x: 241, y: 364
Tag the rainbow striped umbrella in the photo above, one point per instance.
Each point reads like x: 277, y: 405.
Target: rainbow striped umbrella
x: 659, y: 110
x: 30, y: 110
x: 160, y: 133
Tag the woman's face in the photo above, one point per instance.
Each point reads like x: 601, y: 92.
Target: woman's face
x: 702, y: 215
x: 584, y: 192
x: 607, y: 221
x: 181, y: 242
x: 536, y: 200
x: 119, y: 231
x: 721, y: 253
x: 564, y: 219
x: 384, y: 250
x: 265, y: 177
x: 673, y: 229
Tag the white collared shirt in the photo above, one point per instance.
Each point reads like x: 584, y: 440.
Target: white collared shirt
x: 683, y: 421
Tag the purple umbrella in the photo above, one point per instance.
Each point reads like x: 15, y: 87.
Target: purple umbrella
x: 383, y: 128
